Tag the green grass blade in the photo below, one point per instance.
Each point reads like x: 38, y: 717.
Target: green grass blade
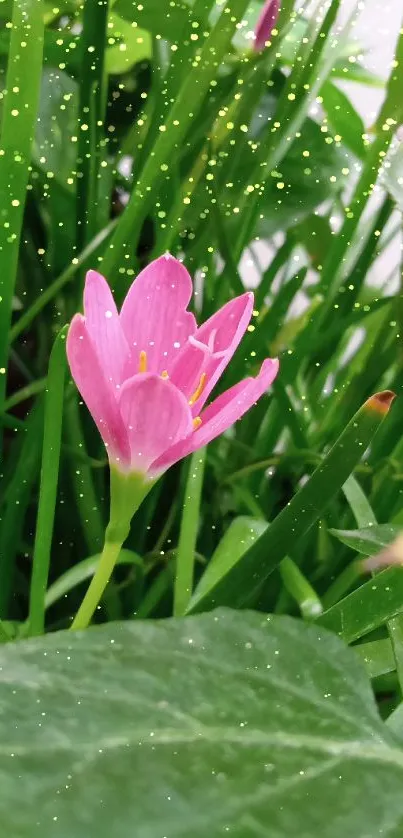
x: 185, y: 557
x: 49, y: 294
x: 15, y: 504
x: 91, y: 116
x: 177, y: 124
x: 282, y: 537
x: 20, y: 105
x: 368, y: 607
x: 52, y: 437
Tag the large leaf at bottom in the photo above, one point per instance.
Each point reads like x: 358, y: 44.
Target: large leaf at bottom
x: 226, y: 723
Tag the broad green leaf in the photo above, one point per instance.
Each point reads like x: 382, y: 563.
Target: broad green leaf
x: 315, y: 235
x: 344, y: 119
x: 162, y: 18
x: 357, y: 73
x: 239, y: 536
x: 132, y: 45
x: 221, y: 723
x: 368, y: 607
x: 395, y: 722
x: 368, y: 540
x: 54, y: 149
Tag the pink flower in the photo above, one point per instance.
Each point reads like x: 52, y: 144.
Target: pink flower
x: 266, y: 23
x: 145, y: 374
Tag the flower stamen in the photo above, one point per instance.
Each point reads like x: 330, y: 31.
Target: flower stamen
x: 143, y: 361
x: 197, y: 422
x: 197, y: 393
x: 165, y: 374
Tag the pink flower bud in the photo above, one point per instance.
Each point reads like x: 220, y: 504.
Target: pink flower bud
x: 266, y: 24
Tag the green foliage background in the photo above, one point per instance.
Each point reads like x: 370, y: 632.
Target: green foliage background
x: 128, y: 129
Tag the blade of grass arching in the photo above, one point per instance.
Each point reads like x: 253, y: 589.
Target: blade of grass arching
x: 81, y: 572
x: 281, y: 538
x: 19, y: 111
x: 52, y: 438
x: 25, y: 473
x: 171, y: 134
x: 92, y: 104
x: 58, y: 284
x: 31, y: 389
x: 185, y: 555
x: 8, y: 421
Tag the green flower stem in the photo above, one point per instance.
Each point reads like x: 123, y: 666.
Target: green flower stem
x: 109, y: 557
x: 127, y: 493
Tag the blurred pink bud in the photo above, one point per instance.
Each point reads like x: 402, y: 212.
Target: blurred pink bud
x: 266, y: 23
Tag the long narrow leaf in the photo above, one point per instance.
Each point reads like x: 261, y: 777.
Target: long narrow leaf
x: 245, y: 578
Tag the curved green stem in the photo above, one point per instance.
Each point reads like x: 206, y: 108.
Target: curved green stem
x: 98, y: 584
x: 127, y: 491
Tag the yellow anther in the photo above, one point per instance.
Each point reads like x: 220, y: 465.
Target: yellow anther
x: 196, y: 422
x: 165, y: 374
x: 143, y: 361
x: 197, y: 393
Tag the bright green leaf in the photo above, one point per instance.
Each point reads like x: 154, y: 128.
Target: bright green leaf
x: 343, y: 118
x: 239, y: 536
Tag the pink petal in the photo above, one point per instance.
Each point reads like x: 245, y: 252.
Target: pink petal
x: 211, y: 348
x: 156, y: 415
x: 221, y: 414
x: 266, y: 23
x: 104, y: 328
x: 154, y: 316
x: 96, y: 391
